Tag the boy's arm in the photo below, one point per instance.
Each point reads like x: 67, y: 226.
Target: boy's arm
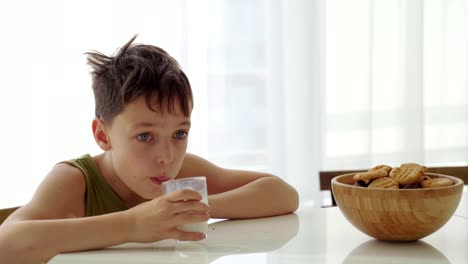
x: 60, y: 195
x: 241, y: 194
x: 52, y: 222
x: 37, y: 241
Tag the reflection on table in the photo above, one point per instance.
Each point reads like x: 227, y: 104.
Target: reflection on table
x: 227, y: 237
x: 413, y: 252
x: 312, y: 235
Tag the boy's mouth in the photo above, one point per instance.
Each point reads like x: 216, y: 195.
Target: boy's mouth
x: 159, y: 179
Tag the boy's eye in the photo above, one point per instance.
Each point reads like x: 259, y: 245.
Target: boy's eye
x: 180, y: 135
x: 144, y: 137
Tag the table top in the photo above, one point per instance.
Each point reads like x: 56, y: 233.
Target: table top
x: 311, y: 235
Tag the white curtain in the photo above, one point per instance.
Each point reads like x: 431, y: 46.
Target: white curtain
x: 345, y: 84
x: 289, y: 87
x: 396, y: 83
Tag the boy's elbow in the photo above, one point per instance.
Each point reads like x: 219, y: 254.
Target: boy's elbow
x: 296, y: 201
x: 8, y: 245
x: 16, y: 249
x: 290, y: 196
x: 8, y: 251
x: 293, y: 198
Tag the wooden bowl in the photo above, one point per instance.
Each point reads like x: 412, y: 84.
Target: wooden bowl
x: 397, y: 215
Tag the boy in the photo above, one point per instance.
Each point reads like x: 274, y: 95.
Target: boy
x: 143, y: 106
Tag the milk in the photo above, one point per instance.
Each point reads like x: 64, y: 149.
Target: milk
x: 193, y: 183
x: 196, y: 227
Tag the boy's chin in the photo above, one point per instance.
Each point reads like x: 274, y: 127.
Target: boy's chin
x: 151, y: 196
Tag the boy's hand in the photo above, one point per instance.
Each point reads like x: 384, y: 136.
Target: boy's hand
x: 158, y: 219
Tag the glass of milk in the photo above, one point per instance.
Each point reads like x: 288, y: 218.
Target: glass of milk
x: 193, y: 183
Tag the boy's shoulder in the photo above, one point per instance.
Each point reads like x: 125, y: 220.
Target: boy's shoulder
x: 60, y: 195
x: 66, y: 177
x: 195, y: 165
x: 193, y: 159
x: 67, y: 171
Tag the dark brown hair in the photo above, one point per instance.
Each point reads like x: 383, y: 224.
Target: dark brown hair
x: 138, y: 70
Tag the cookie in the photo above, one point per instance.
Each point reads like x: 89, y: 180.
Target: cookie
x: 435, y: 183
x: 407, y: 175
x: 412, y: 164
x: 425, y: 177
x: 370, y: 175
x: 384, y: 183
x: 383, y: 166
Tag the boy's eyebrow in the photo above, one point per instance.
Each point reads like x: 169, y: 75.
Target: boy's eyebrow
x: 150, y: 124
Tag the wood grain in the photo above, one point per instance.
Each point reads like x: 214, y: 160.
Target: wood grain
x: 397, y: 215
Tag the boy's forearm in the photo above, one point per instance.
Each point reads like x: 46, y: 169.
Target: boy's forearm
x: 36, y: 241
x: 267, y: 196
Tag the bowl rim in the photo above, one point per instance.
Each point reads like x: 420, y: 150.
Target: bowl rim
x: 457, y: 181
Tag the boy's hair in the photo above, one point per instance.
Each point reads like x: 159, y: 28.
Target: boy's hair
x: 138, y: 70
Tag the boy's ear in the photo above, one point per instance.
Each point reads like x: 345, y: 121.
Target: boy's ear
x: 100, y: 134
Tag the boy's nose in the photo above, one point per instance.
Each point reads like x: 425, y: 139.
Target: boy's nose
x: 164, y: 151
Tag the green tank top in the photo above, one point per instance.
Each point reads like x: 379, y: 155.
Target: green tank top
x: 100, y: 198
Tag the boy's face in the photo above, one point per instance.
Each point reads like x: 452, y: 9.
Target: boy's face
x: 147, y: 147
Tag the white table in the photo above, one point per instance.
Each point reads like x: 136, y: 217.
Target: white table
x: 312, y: 235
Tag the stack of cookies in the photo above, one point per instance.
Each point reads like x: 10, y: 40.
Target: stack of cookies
x: 407, y: 176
